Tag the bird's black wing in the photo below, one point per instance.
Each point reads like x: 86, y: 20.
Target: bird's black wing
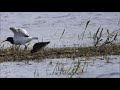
x: 38, y: 46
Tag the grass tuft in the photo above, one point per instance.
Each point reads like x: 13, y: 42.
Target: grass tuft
x: 11, y: 54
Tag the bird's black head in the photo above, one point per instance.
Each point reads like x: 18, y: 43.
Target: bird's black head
x: 10, y: 39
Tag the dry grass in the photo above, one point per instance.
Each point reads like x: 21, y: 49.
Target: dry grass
x: 11, y: 54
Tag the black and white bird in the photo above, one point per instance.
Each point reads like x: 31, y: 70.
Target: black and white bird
x: 21, y: 37
x: 38, y: 46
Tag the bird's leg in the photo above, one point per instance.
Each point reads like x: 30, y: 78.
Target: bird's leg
x: 25, y: 47
x: 28, y: 44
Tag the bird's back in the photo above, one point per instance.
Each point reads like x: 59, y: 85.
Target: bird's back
x: 38, y: 46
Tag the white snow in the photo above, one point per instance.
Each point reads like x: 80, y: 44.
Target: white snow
x: 95, y: 67
x: 48, y: 26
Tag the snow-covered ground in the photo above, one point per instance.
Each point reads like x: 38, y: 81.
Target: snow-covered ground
x: 62, y: 68
x: 49, y: 26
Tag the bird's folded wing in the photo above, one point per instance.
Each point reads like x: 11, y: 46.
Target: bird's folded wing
x: 38, y: 46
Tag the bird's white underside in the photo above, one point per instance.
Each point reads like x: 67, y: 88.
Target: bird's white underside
x: 22, y: 40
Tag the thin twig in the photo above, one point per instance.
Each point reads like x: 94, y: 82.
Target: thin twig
x: 85, y: 28
x: 62, y: 34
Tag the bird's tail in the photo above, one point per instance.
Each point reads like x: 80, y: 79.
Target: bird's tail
x: 35, y: 38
